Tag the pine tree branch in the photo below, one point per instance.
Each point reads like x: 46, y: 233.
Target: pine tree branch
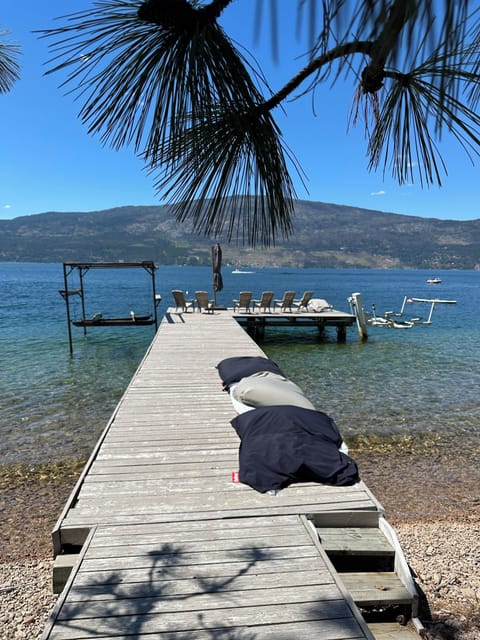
x: 341, y: 51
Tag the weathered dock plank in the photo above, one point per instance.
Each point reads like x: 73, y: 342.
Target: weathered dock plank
x: 179, y: 588
x: 178, y: 550
x: 227, y: 498
x: 160, y: 427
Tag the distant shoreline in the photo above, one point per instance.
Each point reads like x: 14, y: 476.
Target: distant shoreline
x: 325, y: 235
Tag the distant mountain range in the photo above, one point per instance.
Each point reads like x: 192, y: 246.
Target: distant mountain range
x: 325, y: 235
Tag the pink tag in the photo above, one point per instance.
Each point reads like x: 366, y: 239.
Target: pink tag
x: 235, y: 476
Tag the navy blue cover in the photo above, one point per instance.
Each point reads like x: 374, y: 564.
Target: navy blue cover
x: 283, y: 444
x: 232, y: 370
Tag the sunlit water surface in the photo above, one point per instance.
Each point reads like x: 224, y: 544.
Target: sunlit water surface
x: 421, y: 382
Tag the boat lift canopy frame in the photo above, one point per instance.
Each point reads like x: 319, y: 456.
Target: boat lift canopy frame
x: 83, y: 268
x: 430, y: 301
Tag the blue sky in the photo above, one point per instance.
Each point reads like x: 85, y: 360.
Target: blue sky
x: 48, y: 162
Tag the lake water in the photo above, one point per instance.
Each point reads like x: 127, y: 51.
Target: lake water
x: 416, y: 383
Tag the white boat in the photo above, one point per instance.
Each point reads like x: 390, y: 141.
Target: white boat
x: 434, y: 281
x: 242, y: 271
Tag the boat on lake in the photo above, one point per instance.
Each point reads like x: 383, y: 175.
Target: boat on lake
x: 434, y: 281
x: 237, y: 270
x: 99, y: 321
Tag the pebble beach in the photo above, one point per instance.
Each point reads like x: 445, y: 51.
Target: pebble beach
x: 439, y: 531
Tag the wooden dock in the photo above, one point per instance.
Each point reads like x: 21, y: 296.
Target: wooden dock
x: 156, y: 541
x: 256, y: 322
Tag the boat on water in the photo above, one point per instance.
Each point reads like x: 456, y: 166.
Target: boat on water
x: 242, y: 271
x: 434, y: 281
x: 99, y: 321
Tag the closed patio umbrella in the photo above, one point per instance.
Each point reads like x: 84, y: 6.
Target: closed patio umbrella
x: 217, y: 274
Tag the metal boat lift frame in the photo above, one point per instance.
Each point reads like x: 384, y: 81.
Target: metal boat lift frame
x: 431, y: 301
x: 83, y: 268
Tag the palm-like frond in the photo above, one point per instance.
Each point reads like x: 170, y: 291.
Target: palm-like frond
x: 163, y: 76
x: 416, y: 104
x: 474, y: 59
x: 162, y: 88
x: 9, y: 66
x: 343, y: 20
x: 397, y: 30
x: 233, y: 154
x: 142, y: 83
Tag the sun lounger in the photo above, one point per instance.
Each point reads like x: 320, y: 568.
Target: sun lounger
x: 265, y: 302
x: 302, y: 304
x: 285, y: 304
x: 243, y: 302
x: 181, y: 302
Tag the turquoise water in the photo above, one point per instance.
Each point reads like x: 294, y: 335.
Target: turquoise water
x: 419, y: 381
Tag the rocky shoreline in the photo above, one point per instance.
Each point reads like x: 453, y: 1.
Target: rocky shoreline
x: 444, y: 556
x: 438, y: 528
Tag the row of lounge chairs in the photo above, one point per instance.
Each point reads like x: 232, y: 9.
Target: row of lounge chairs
x: 267, y: 303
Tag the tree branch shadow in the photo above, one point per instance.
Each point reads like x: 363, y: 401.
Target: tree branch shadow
x: 162, y: 586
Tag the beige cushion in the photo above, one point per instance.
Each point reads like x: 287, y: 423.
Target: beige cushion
x: 319, y: 304
x: 265, y: 389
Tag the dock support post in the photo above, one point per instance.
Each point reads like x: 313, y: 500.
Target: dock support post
x: 260, y: 329
x: 356, y: 305
x: 82, y: 296
x: 321, y: 328
x: 251, y: 328
x: 67, y: 301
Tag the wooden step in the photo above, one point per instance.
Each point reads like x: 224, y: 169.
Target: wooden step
x: 62, y: 568
x: 358, y: 541
x: 392, y: 631
x: 376, y: 589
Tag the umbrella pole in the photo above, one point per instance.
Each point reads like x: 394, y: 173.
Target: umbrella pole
x: 213, y: 279
x: 216, y: 254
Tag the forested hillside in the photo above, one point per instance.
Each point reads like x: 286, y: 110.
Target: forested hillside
x: 325, y: 235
